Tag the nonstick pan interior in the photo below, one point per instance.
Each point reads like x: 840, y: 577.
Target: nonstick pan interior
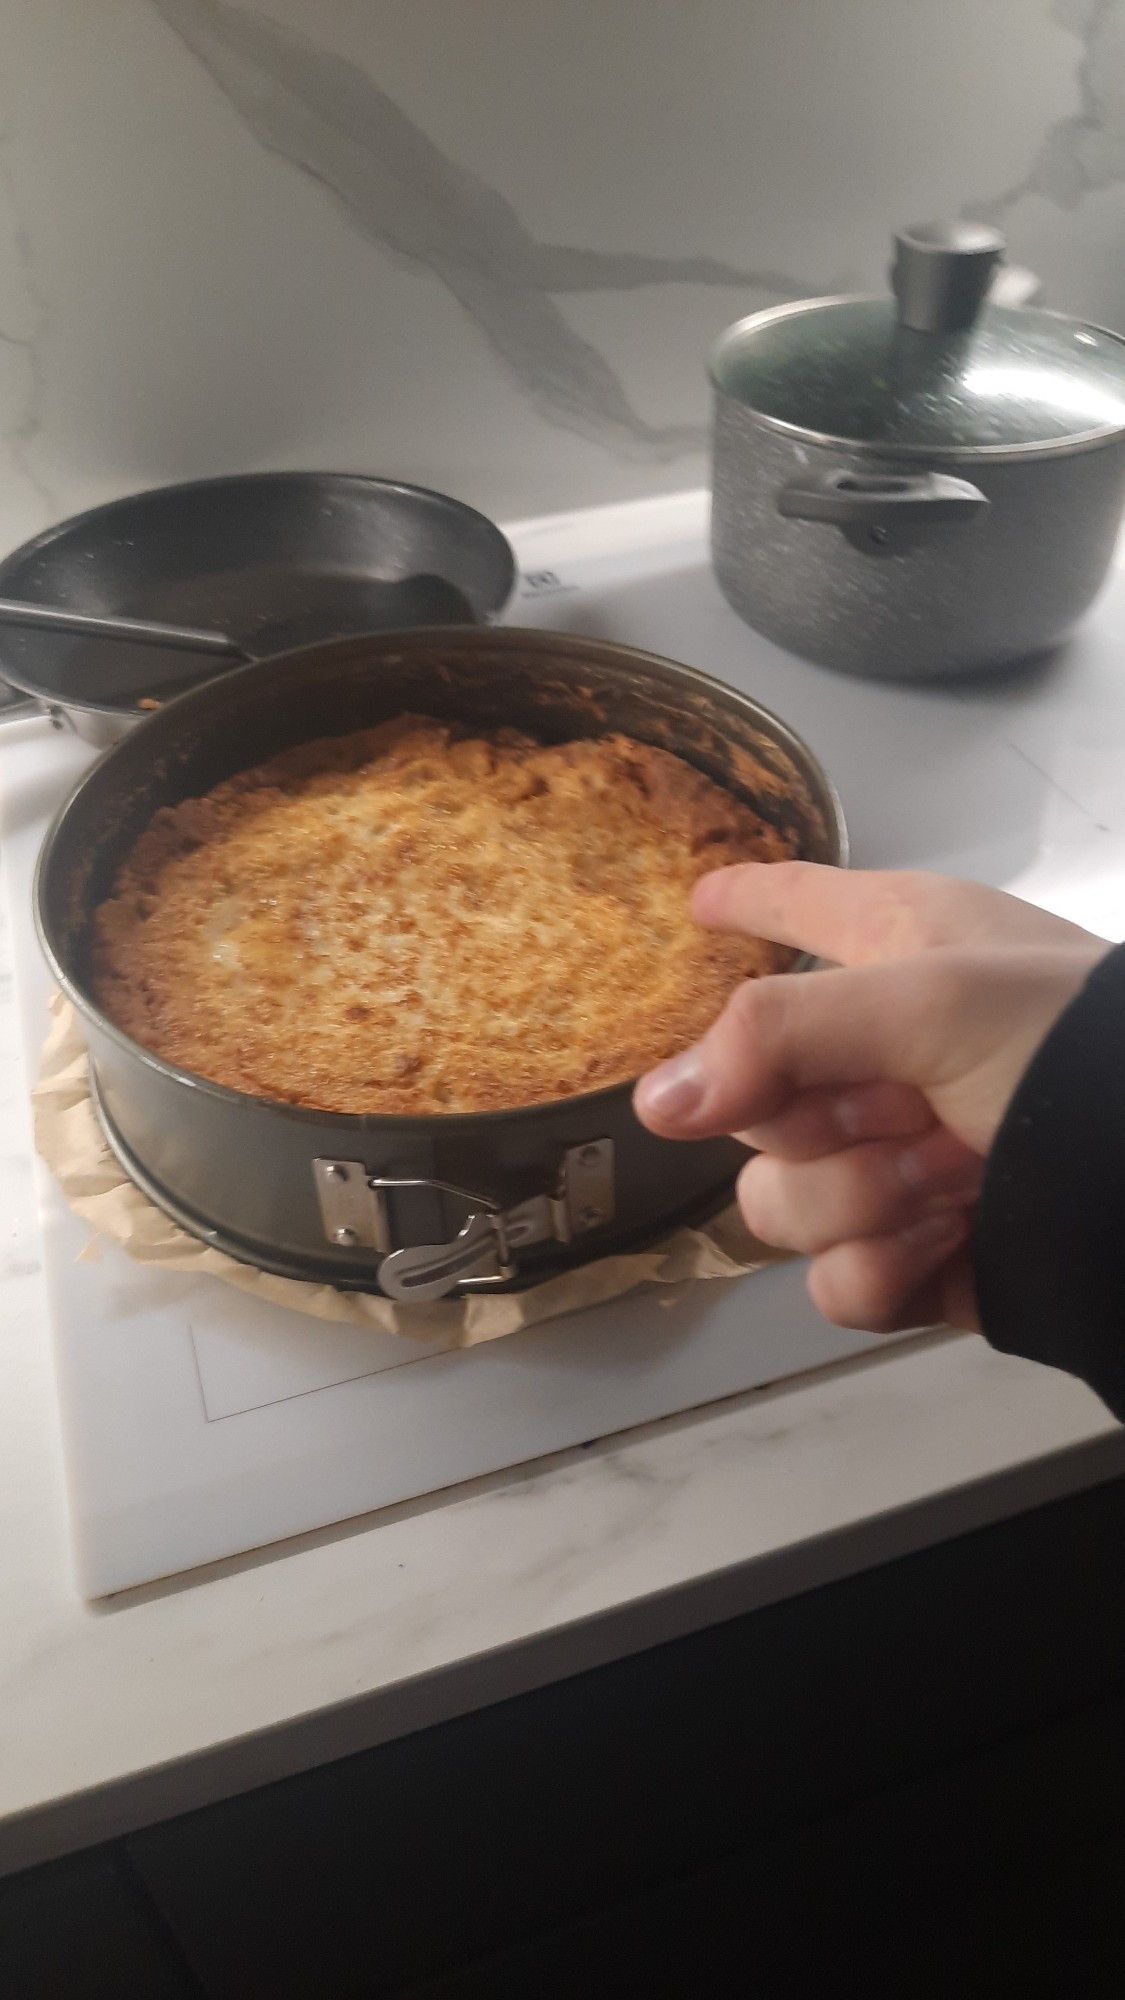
x: 276, y: 560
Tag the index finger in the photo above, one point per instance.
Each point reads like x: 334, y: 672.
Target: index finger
x: 860, y: 918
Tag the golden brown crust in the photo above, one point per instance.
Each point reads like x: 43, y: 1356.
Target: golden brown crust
x: 406, y: 921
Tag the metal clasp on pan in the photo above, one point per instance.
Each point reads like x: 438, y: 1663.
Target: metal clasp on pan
x: 356, y: 1215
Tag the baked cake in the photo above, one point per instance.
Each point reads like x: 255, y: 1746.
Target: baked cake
x: 413, y: 920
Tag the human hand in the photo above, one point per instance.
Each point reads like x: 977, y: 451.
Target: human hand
x: 872, y: 1091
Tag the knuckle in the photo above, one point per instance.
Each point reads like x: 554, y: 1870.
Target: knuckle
x: 758, y: 1009
x: 792, y: 877
x: 884, y: 1315
x: 922, y: 910
x: 862, y: 1295
x: 953, y: 980
x: 758, y: 1212
x: 831, y: 1300
x: 744, y: 1006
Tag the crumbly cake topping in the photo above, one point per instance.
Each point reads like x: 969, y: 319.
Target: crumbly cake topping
x: 406, y: 920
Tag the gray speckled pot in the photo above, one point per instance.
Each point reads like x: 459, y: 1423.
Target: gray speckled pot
x: 927, y: 599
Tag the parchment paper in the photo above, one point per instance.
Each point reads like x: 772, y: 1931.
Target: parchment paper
x: 70, y: 1139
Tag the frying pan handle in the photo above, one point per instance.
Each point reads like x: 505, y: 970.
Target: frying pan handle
x: 134, y: 631
x: 870, y: 500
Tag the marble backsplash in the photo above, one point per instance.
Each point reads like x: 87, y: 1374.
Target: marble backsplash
x: 485, y: 244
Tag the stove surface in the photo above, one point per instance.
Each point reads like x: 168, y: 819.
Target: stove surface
x: 199, y: 1423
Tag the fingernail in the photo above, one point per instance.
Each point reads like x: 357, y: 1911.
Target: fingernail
x: 915, y: 1167
x: 949, y: 1184
x: 848, y: 1113
x: 949, y: 1202
x: 675, y: 1090
x: 933, y: 1232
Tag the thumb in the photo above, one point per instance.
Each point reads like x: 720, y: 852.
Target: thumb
x: 960, y: 1027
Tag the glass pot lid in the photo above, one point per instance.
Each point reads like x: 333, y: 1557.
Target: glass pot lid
x: 934, y: 368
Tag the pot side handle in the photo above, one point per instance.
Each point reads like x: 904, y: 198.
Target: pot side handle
x: 869, y: 500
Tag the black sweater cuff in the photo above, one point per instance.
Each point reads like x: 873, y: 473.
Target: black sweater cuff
x: 1050, y: 1232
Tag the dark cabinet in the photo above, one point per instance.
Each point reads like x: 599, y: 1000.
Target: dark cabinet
x: 912, y: 1777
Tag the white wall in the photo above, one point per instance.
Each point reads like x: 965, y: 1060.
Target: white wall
x: 485, y: 243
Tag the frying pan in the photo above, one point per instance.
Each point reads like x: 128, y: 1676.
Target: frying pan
x: 274, y: 560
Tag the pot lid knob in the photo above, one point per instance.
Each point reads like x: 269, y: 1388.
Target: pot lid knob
x: 941, y: 273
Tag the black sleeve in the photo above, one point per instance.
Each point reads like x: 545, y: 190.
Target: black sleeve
x: 1050, y: 1230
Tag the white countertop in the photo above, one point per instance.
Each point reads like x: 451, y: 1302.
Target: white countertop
x: 175, y: 1694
